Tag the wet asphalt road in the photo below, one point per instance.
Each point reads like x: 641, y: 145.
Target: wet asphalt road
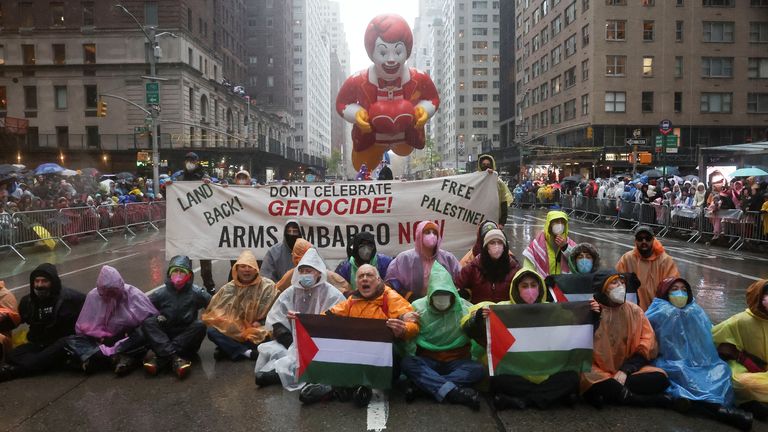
x: 222, y: 395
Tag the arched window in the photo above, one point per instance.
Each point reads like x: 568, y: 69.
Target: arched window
x: 204, y: 107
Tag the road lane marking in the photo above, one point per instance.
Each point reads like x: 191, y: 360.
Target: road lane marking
x: 81, y: 269
x: 378, y: 411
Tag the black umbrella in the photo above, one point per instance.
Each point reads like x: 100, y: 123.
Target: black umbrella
x: 124, y: 176
x: 93, y: 172
x: 652, y: 173
x: 573, y: 178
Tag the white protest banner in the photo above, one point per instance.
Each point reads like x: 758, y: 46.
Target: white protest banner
x: 208, y: 221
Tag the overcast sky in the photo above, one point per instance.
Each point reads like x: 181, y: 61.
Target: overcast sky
x: 356, y: 14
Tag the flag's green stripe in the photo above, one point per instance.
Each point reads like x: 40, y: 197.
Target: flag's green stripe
x: 544, y: 314
x: 545, y: 362
x: 347, y: 375
x: 336, y: 327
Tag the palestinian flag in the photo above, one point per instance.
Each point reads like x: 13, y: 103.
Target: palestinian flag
x: 539, y: 339
x: 344, y: 352
x: 578, y: 287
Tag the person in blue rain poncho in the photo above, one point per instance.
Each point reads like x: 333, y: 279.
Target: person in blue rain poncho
x: 698, y: 378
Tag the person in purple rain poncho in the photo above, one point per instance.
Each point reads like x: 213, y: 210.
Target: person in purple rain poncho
x: 112, y: 312
x: 409, y: 272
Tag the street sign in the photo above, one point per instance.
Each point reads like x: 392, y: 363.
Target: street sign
x: 140, y: 129
x: 521, y: 134
x: 635, y: 141
x: 665, y: 127
x: 153, y: 93
x: 666, y: 143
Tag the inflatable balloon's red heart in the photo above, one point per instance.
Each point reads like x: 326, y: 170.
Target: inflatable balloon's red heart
x: 391, y: 116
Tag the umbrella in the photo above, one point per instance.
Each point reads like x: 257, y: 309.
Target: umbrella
x: 177, y: 174
x: 124, y: 176
x: 653, y: 173
x: 678, y: 180
x: 93, y: 172
x: 573, y: 178
x: 690, y: 177
x: 749, y: 172
x: 68, y: 173
x: 48, y: 168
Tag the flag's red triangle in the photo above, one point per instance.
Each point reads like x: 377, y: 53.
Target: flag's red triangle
x: 501, y: 339
x: 305, y: 345
x: 558, y: 294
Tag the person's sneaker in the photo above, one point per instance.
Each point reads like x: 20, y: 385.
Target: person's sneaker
x: 464, y: 396
x: 313, y: 393
x: 361, y: 396
x: 268, y: 378
x: 151, y: 367
x: 123, y: 365
x: 502, y: 402
x: 342, y: 394
x: 180, y: 366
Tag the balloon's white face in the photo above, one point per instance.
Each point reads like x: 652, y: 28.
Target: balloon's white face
x: 389, y: 58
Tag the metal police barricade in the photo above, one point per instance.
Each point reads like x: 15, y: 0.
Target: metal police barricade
x: 111, y: 218
x: 137, y: 214
x: 592, y: 213
x: 655, y: 215
x: 566, y: 203
x: 755, y: 229
x: 628, y: 211
x: 720, y: 224
x: 156, y: 213
x: 607, y: 209
x: 38, y: 226
x: 77, y: 222
x: 579, y: 207
x: 8, y: 233
x: 685, y: 221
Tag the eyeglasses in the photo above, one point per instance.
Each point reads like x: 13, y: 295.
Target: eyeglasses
x: 644, y: 239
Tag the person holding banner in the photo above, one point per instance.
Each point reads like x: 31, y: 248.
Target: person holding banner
x: 482, y: 230
x: 440, y: 362
x: 409, y: 272
x: 741, y: 341
x: 547, y: 254
x: 278, y: 259
x: 698, y: 378
x: 362, y: 251
x: 624, y: 346
x: 486, y: 162
x: 309, y: 293
x: 488, y: 276
x: 299, y: 249
x: 235, y: 316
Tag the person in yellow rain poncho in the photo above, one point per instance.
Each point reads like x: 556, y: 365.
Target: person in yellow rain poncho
x: 235, y: 317
x: 9, y: 319
x: 299, y: 249
x: 742, y: 340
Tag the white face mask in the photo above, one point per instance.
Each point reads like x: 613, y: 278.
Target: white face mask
x: 558, y: 228
x: 190, y: 166
x: 441, y: 302
x: 495, y: 250
x: 618, y: 294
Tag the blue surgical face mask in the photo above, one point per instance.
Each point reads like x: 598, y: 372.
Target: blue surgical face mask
x: 310, y: 178
x: 678, y: 298
x: 307, y: 280
x: 584, y: 265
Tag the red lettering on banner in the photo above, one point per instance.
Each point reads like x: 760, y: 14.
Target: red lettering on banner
x: 325, y: 207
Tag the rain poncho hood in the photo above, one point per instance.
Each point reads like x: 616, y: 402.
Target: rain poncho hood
x: 514, y: 294
x: 580, y: 248
x: 113, y: 307
x: 180, y: 262
x: 48, y: 271
x: 755, y: 293
x: 541, y: 253
x: 237, y: 309
x: 278, y: 259
x: 662, y: 291
x: 686, y: 351
x: 441, y: 331
x: 483, y: 157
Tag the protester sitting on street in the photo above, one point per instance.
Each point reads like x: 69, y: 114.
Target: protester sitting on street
x: 764, y: 213
x: 547, y: 254
x: 649, y: 262
x: 488, y: 275
x: 698, y: 379
x: 278, y: 259
x: 439, y: 362
x: 584, y: 259
x: 105, y: 333
x: 623, y: 347
x: 513, y: 391
x: 9, y: 319
x: 51, y: 311
x: 373, y: 299
x: 309, y: 293
x: 175, y: 334
x: 409, y: 272
x: 236, y: 313
x: 362, y: 251
x: 486, y: 162
x: 482, y: 230
x: 299, y: 249
x: 741, y: 341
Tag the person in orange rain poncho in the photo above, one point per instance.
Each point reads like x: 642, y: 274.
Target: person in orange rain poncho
x: 624, y: 346
x: 235, y: 317
x: 9, y: 319
x: 742, y: 340
x: 299, y: 249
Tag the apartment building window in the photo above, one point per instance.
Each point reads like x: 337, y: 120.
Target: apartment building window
x: 544, y: 63
x: 28, y: 54
x: 544, y: 36
x: 678, y: 66
x: 570, y: 46
x: 717, y: 67
x: 91, y: 97
x: 570, y: 13
x: 480, y: 124
x: 720, y: 31
x: 92, y: 136
x: 89, y: 53
x: 757, y: 67
x: 556, y: 25
x: 678, y: 102
x: 544, y: 90
x: 534, y: 121
x: 585, y: 104
x: 59, y: 54
x: 647, y: 66
x: 679, y: 3
x: 270, y: 81
x: 615, y: 30
x: 556, y: 85
x: 554, y: 117
x: 647, y: 102
x: 647, y: 3
x: 556, y: 54
x: 88, y: 13
x: 570, y: 77
x: 758, y: 32
x: 545, y: 7
x: 60, y: 97
x: 544, y: 115
x: 585, y: 35
x: 615, y: 102
x: 479, y: 58
x: 648, y: 30
x: 759, y: 3
x: 189, y: 19
x: 757, y: 103
x: 535, y: 69
x: 585, y: 70
x: 57, y: 14
x: 480, y: 44
x: 479, y: 31
x: 718, y: 3
x: 678, y: 31
x: 716, y: 102
x: 569, y: 109
x: 30, y: 97
x: 479, y: 18
x: 26, y: 12
x: 616, y: 2
x: 150, y: 13
x: 615, y: 65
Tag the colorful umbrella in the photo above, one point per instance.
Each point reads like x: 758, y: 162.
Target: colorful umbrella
x: 48, y: 168
x: 749, y: 172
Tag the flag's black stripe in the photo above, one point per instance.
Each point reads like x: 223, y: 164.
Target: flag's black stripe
x: 336, y: 327
x: 544, y: 314
x: 582, y: 283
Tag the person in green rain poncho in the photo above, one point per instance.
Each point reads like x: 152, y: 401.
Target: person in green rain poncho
x: 440, y: 363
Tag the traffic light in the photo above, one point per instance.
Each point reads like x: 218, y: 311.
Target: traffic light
x: 645, y: 158
x: 101, y: 111
x: 589, y: 132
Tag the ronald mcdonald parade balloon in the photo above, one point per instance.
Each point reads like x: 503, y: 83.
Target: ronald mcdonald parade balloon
x: 388, y: 103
